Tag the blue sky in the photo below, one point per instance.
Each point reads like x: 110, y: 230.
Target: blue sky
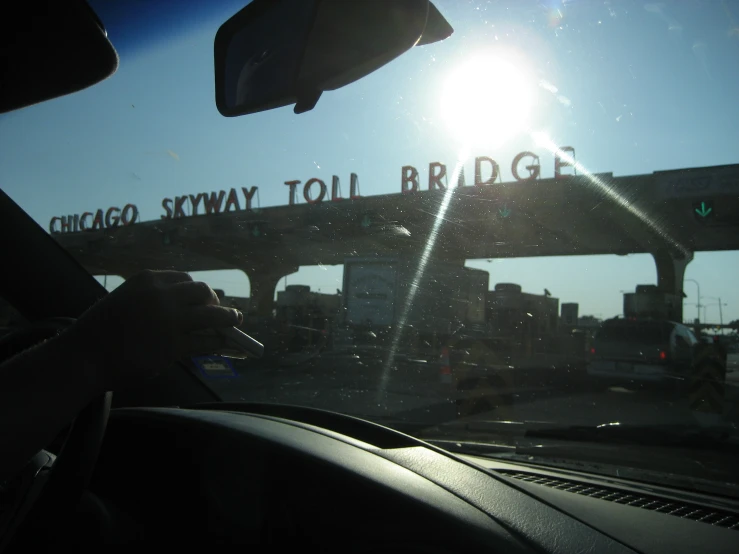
x: 635, y: 87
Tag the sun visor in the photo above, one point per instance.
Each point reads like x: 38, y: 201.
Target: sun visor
x: 49, y: 48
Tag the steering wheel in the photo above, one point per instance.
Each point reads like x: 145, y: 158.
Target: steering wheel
x: 50, y: 486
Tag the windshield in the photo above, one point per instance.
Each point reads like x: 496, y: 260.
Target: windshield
x: 503, y: 226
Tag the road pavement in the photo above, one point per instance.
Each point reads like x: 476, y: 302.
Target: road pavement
x: 732, y: 367
x: 414, y: 392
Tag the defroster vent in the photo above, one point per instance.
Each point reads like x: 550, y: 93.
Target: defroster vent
x: 646, y: 502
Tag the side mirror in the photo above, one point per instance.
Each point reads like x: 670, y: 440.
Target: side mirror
x: 279, y: 52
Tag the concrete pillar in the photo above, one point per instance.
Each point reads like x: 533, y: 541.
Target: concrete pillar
x: 670, y: 274
x: 262, y: 283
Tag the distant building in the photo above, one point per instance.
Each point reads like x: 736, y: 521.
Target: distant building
x: 512, y: 310
x: 589, y: 321
x: 569, y: 315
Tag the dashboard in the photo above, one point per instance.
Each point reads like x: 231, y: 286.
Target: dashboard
x: 280, y: 477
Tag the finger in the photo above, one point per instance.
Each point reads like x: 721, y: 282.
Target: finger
x: 166, y: 277
x: 209, y: 317
x: 194, y: 292
x: 150, y: 277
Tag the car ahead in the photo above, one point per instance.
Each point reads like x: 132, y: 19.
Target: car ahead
x: 643, y: 351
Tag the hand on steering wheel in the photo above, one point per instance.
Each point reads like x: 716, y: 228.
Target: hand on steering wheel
x: 145, y: 324
x: 148, y: 323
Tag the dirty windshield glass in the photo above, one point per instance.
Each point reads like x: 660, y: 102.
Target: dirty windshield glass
x: 492, y: 234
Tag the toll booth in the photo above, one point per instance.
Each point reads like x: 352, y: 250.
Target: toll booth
x: 306, y: 318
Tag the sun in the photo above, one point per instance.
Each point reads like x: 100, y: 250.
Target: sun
x: 487, y: 100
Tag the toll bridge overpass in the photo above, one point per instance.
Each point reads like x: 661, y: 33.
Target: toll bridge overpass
x: 669, y: 215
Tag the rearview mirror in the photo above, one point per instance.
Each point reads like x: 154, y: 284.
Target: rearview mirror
x: 279, y: 52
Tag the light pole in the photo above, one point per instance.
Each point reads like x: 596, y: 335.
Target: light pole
x: 698, y: 304
x: 720, y: 308
x: 693, y: 304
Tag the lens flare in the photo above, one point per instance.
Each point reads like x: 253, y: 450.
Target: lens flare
x: 488, y: 99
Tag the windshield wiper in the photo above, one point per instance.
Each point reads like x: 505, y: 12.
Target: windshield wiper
x: 474, y: 448
x: 524, y: 433
x: 668, y: 435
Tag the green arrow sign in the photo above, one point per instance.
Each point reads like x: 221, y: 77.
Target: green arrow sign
x: 504, y: 211
x: 703, y: 210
